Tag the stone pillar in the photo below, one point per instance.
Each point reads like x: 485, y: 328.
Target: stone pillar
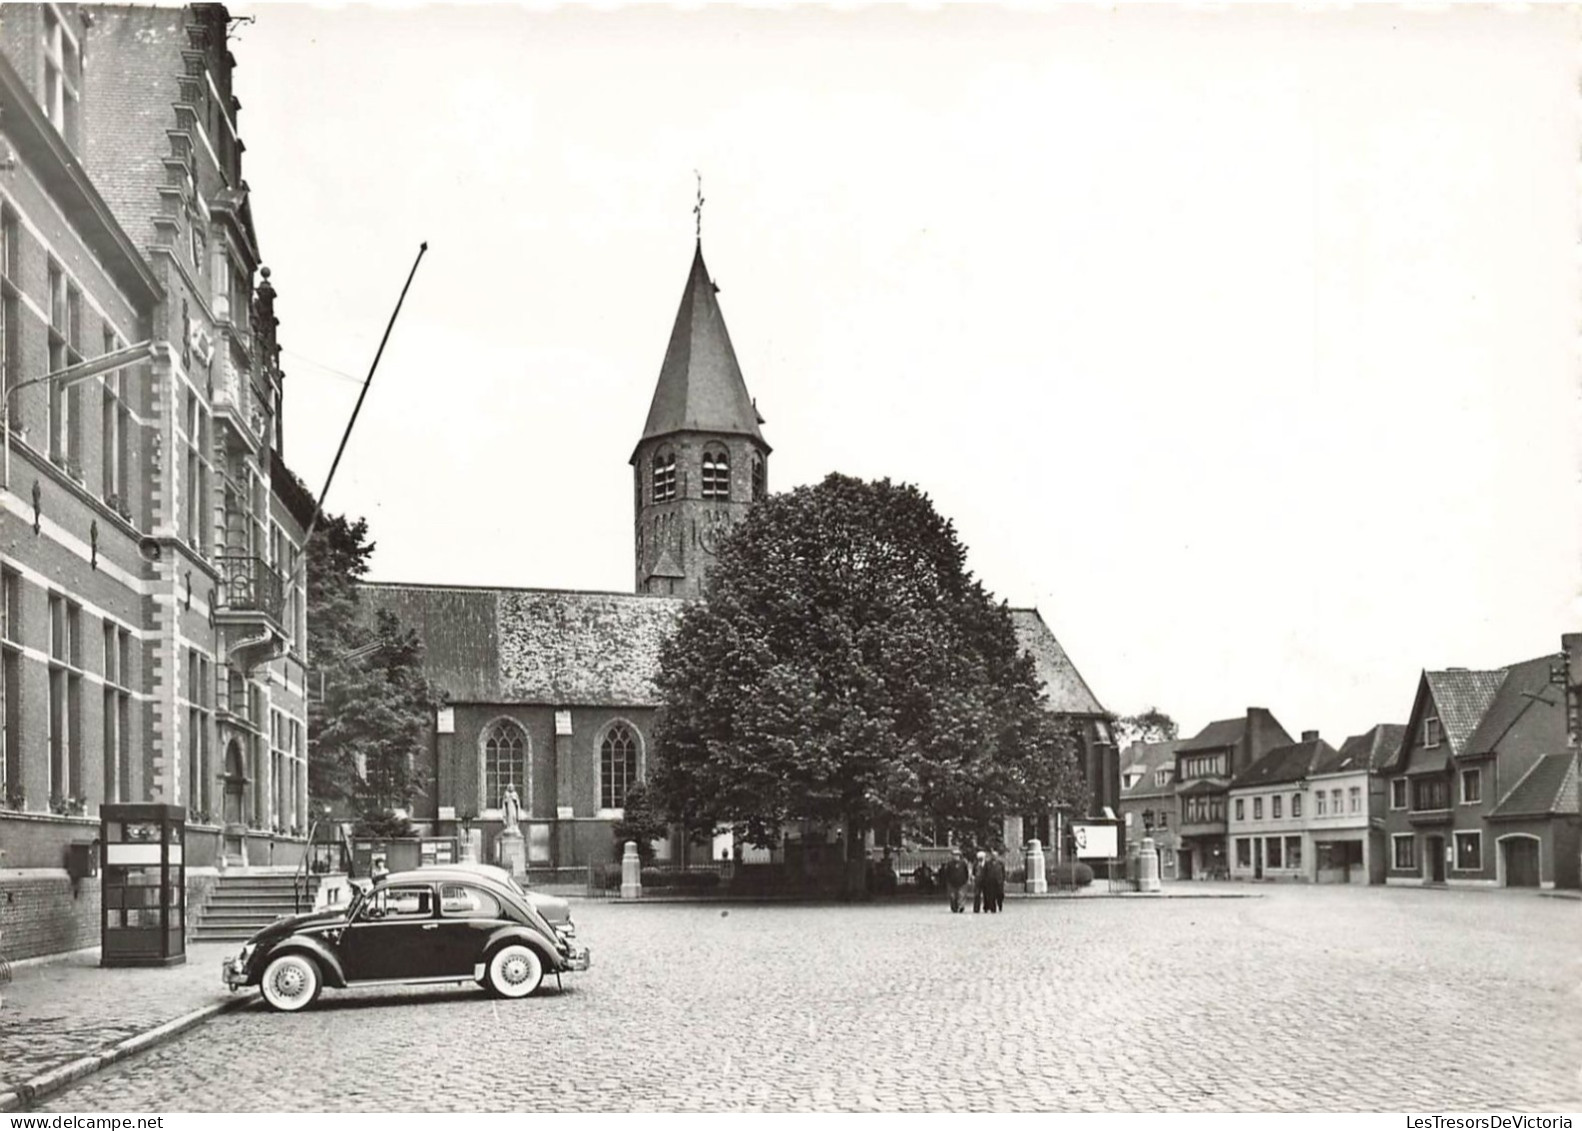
x: 631, y: 872
x: 565, y: 794
x: 513, y: 851
x: 1011, y: 831
x: 1148, y: 866
x: 1036, y: 883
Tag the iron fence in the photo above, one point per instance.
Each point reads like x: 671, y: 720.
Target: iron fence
x: 249, y: 584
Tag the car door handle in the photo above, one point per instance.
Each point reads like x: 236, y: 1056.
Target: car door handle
x: 431, y: 926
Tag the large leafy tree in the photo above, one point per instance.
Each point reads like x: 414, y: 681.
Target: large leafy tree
x: 1150, y: 725
x: 845, y: 667
x: 370, y: 707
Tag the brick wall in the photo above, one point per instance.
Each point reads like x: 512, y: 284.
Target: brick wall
x: 45, y: 912
x: 683, y: 525
x: 131, y: 79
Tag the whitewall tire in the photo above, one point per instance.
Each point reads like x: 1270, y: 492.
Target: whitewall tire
x: 515, y: 970
x: 291, y: 982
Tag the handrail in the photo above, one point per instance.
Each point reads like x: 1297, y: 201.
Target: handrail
x: 300, y: 877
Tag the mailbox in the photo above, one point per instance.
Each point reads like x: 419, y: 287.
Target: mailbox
x: 82, y: 860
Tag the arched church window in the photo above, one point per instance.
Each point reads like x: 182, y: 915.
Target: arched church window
x: 664, y: 476
x: 504, y: 763
x: 716, y: 473
x: 758, y: 478
x: 617, y: 766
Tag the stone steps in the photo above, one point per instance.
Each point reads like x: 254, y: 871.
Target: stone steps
x: 241, y: 904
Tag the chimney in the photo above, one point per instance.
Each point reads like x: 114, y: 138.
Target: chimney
x: 1262, y: 734
x: 1310, y: 736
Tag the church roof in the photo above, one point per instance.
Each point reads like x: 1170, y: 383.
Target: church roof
x: 1064, y: 687
x: 572, y: 647
x: 554, y: 647
x: 700, y: 384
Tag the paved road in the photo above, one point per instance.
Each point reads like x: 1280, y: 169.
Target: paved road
x: 1304, y: 999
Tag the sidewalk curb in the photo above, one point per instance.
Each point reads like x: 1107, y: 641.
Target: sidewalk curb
x: 57, y: 956
x: 25, y: 1095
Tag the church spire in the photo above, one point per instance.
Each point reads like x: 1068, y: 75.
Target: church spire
x: 700, y: 385
x: 702, y: 463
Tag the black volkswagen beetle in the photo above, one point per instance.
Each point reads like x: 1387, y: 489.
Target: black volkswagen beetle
x: 433, y: 925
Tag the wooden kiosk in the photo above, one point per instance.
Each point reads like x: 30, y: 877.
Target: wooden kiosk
x: 143, y: 912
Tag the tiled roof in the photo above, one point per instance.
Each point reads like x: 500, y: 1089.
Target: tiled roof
x: 1371, y: 750
x: 1067, y: 692
x: 700, y: 384
x: 1387, y: 740
x: 572, y: 647
x: 1215, y: 736
x: 589, y: 648
x: 1462, y: 697
x: 1285, y: 764
x: 1549, y: 787
x: 1527, y: 714
x: 542, y: 646
x: 1148, y: 758
x: 459, y: 630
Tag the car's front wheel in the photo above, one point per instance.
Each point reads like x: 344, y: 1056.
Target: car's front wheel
x: 515, y: 970
x: 291, y: 982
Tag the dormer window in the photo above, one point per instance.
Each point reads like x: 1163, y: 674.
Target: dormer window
x: 664, y: 476
x: 716, y: 474
x: 1162, y: 777
x: 1433, y: 734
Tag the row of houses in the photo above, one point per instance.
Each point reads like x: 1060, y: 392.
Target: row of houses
x: 1478, y: 787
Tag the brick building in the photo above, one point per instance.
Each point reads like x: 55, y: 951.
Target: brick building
x: 154, y: 629
x: 552, y: 691
x: 1205, y: 765
x: 1484, y: 790
x: 1346, y: 816
x: 1148, y: 798
x: 1269, y: 810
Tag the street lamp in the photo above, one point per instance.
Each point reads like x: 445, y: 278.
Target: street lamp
x: 65, y: 378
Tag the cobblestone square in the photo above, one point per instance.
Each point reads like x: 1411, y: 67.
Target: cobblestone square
x: 1305, y: 998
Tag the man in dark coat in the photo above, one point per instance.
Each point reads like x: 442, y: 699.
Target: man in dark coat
x: 955, y: 875
x: 992, y: 878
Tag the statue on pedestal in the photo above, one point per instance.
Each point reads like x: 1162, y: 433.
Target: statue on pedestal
x: 512, y: 849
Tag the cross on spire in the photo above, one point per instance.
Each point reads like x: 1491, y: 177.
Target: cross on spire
x: 697, y: 209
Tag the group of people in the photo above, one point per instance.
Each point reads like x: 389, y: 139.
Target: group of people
x: 986, y: 876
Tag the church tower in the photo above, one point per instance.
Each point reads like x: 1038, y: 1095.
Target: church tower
x: 702, y: 462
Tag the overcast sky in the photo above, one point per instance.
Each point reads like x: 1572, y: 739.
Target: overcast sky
x: 1243, y: 345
